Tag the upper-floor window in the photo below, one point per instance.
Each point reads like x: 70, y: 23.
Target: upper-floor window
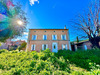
x: 44, y: 46
x: 62, y: 31
x: 33, y: 47
x: 44, y: 37
x: 54, y: 37
x: 34, y: 37
x: 63, y: 37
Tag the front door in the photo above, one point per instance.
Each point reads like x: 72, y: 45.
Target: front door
x: 54, y: 47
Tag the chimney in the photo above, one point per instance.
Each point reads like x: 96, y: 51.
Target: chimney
x: 65, y: 27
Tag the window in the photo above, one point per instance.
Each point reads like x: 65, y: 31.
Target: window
x: 44, y: 37
x: 63, y: 37
x: 17, y: 42
x: 85, y: 47
x: 64, y: 46
x: 54, y: 37
x: 44, y: 46
x: 34, y: 37
x: 54, y: 46
x: 62, y: 31
x: 33, y: 47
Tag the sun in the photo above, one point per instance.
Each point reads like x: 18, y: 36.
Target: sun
x: 20, y: 22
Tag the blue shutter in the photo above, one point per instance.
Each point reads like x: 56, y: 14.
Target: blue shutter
x: 56, y: 37
x: 31, y: 47
x: 43, y: 47
x: 62, y: 46
x: 34, y: 47
x: 61, y: 37
x: 43, y: 37
x: 66, y: 47
x: 52, y: 37
x: 46, y: 46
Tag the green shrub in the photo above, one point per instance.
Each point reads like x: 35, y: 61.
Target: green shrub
x: 23, y: 46
x: 81, y: 58
x: 33, y: 63
x: 44, y: 72
x: 48, y: 63
x: 3, y: 50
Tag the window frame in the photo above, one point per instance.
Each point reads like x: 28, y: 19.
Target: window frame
x: 53, y: 37
x: 43, y: 46
x: 43, y: 37
x: 33, y: 37
x: 64, y: 36
x: 32, y: 47
x: 66, y: 47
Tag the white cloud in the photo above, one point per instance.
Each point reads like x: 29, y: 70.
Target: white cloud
x: 25, y: 33
x: 26, y: 37
x: 22, y: 39
x: 33, y: 1
x: 15, y: 39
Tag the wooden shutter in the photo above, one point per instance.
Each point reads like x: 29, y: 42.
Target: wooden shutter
x: 62, y: 46
x: 46, y: 46
x: 61, y: 37
x: 43, y: 47
x: 34, y: 47
x: 31, y: 47
x: 66, y: 47
x: 43, y: 37
x: 52, y: 37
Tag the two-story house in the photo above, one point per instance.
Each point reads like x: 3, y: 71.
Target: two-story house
x: 54, y: 39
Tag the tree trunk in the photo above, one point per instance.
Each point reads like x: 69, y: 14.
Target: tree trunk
x: 95, y: 42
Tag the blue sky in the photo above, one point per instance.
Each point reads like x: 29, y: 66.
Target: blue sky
x: 52, y: 13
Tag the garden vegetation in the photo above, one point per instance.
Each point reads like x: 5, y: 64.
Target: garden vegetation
x: 64, y: 62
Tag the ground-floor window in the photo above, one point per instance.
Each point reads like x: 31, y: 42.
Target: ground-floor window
x: 85, y: 47
x: 64, y: 46
x: 33, y: 47
x: 44, y: 46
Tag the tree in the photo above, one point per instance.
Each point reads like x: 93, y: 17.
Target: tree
x: 13, y: 20
x: 0, y: 43
x: 77, y: 39
x: 89, y: 23
x: 23, y: 46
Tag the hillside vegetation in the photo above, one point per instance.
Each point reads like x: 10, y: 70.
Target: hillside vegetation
x: 47, y: 63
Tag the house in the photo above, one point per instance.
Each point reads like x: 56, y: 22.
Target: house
x: 9, y: 44
x: 6, y: 44
x: 83, y: 45
x: 16, y: 44
x: 54, y: 39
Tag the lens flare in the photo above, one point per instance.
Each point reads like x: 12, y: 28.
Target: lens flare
x: 20, y: 22
x: 7, y: 18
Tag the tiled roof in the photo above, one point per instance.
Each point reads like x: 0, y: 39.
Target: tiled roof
x: 81, y: 42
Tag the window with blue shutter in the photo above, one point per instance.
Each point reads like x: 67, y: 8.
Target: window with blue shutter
x: 33, y: 47
x: 34, y: 37
x: 44, y: 37
x: 54, y: 37
x: 44, y: 46
x: 63, y: 37
x: 64, y: 46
